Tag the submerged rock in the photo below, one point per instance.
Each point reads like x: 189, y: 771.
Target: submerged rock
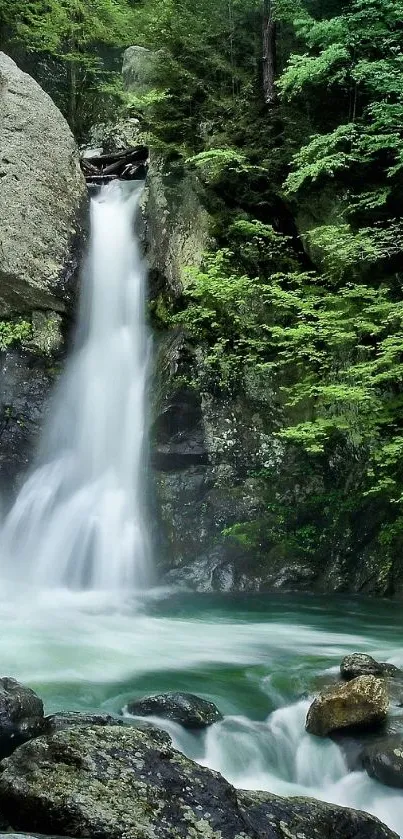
x: 360, y: 664
x: 21, y: 715
x: 362, y: 701
x: 39, y: 170
x: 184, y: 708
x: 384, y: 761
x: 116, y: 783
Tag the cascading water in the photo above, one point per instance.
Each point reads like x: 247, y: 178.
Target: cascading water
x: 79, y: 520
x: 79, y: 523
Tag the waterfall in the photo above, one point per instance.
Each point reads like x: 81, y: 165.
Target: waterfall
x: 79, y: 520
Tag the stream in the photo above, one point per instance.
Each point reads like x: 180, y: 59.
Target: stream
x: 259, y: 658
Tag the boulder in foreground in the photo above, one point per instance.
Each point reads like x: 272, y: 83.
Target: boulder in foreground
x: 184, y: 708
x: 360, y: 702
x: 118, y: 783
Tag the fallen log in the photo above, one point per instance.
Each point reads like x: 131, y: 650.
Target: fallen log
x: 128, y: 164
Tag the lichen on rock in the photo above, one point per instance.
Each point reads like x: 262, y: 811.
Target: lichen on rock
x: 362, y: 701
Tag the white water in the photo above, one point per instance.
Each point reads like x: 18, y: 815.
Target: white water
x: 79, y: 519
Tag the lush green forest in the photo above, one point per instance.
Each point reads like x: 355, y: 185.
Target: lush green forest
x: 291, y: 113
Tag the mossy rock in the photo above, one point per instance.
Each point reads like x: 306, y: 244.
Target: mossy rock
x: 119, y: 783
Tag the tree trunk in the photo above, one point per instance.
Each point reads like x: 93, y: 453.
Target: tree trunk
x: 73, y: 95
x: 269, y: 53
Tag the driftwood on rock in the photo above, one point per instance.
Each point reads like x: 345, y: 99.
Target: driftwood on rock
x: 129, y: 164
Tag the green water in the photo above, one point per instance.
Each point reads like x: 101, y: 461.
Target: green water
x: 259, y: 658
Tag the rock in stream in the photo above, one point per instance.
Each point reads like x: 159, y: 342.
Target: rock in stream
x: 361, y: 702
x: 360, y: 664
x: 184, y: 708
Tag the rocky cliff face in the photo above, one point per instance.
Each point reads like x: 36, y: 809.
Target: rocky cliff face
x: 223, y: 526
x: 42, y: 206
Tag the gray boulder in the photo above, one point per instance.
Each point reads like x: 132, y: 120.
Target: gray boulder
x: 384, y: 761
x: 361, y: 702
x: 184, y: 708
x: 140, y: 69
x: 41, y: 198
x: 117, y: 783
x: 360, y: 664
x: 21, y: 715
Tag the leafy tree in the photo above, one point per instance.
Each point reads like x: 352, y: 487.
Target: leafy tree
x: 79, y: 38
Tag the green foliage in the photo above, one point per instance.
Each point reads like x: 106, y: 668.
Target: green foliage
x: 213, y: 164
x: 72, y: 38
x: 14, y: 332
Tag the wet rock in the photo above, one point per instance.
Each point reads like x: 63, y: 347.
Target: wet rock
x: 67, y: 719
x: 161, y: 737
x: 354, y: 741
x: 41, y: 200
x: 184, y: 708
x: 362, y: 701
x: 273, y: 817
x: 115, y: 783
x: 360, y: 664
x: 26, y: 379
x: 384, y: 761
x: 21, y: 715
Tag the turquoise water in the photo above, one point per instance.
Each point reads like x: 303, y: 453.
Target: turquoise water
x: 259, y: 658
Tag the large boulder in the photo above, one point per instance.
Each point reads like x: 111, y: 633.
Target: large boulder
x: 41, y: 197
x: 117, y: 783
x: 184, y: 708
x: 360, y: 664
x: 384, y: 761
x: 140, y: 69
x: 21, y: 715
x: 360, y: 702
